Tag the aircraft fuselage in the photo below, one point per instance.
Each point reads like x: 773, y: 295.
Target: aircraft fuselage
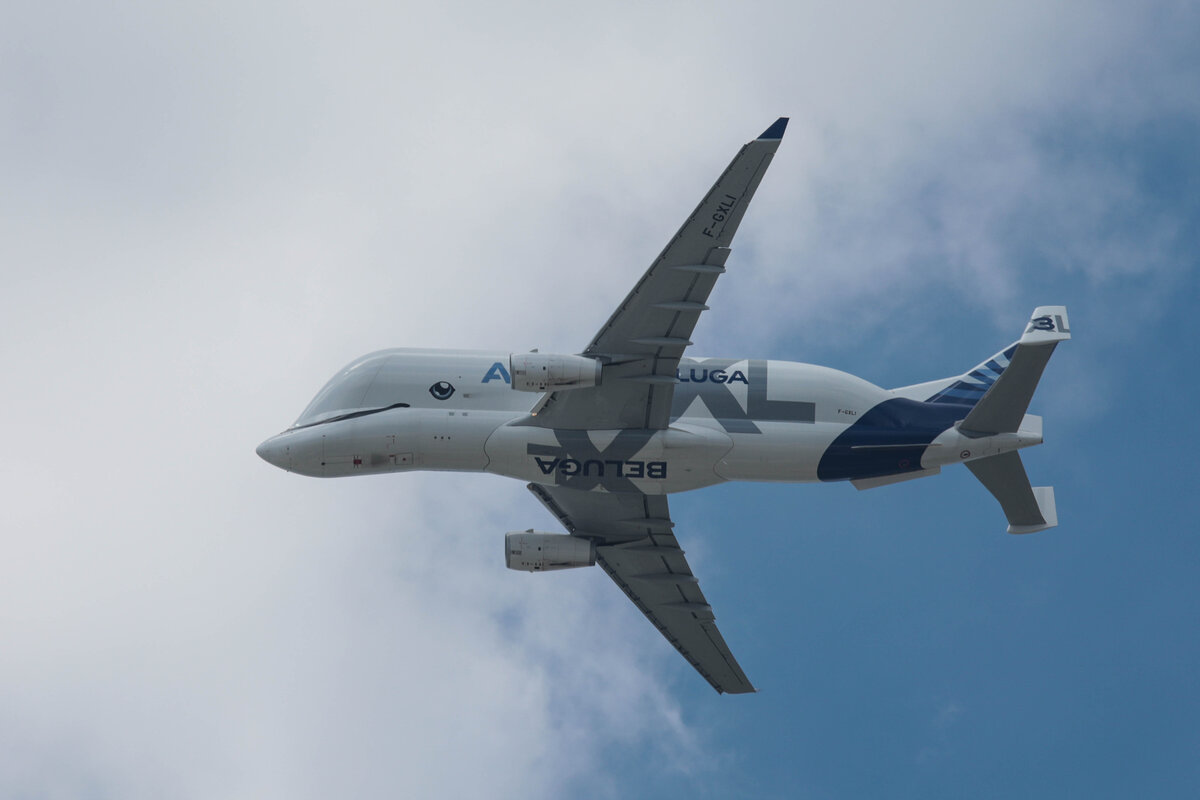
x: 732, y: 420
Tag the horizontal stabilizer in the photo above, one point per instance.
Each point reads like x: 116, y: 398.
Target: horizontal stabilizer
x: 1027, y: 508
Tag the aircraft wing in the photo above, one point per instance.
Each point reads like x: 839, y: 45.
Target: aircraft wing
x: 635, y: 546
x: 643, y: 340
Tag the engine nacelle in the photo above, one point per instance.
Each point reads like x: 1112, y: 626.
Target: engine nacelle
x: 534, y: 551
x: 547, y: 372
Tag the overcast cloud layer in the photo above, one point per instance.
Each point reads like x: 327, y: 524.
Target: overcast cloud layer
x: 208, y: 209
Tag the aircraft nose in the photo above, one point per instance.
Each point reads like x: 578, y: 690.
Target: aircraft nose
x: 274, y: 453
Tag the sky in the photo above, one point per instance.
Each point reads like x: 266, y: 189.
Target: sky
x: 206, y: 209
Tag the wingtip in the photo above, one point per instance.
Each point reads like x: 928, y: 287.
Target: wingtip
x: 776, y: 130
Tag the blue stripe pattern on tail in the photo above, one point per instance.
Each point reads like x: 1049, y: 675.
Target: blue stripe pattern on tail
x: 967, y: 390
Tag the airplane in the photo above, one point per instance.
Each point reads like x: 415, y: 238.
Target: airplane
x: 603, y: 436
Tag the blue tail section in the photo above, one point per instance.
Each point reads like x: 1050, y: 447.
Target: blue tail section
x: 967, y: 390
x: 891, y: 438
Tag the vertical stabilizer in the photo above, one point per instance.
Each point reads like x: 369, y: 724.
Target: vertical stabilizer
x: 1003, y: 406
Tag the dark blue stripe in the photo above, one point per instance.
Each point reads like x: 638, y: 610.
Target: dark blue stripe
x: 898, y: 421
x: 959, y: 393
x: 949, y: 396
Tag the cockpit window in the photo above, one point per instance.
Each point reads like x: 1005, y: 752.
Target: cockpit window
x: 348, y: 391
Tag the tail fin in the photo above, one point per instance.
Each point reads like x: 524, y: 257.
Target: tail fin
x: 1027, y: 508
x: 963, y: 390
x: 1003, y: 405
x: 994, y: 397
x: 996, y: 392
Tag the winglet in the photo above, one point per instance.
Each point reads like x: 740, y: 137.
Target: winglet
x: 776, y: 130
x: 1047, y: 325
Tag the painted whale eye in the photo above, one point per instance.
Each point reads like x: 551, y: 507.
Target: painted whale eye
x: 441, y: 390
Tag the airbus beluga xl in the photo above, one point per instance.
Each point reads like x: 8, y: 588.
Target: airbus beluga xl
x: 603, y: 436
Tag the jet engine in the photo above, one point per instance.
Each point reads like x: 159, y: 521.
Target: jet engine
x: 546, y: 372
x: 535, y: 551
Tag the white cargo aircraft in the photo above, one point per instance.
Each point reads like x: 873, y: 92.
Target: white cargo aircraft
x: 612, y: 431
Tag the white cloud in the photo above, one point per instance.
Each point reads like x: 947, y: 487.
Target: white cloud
x: 210, y: 209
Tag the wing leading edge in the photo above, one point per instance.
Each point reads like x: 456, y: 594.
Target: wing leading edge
x: 636, y: 547
x: 643, y: 340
